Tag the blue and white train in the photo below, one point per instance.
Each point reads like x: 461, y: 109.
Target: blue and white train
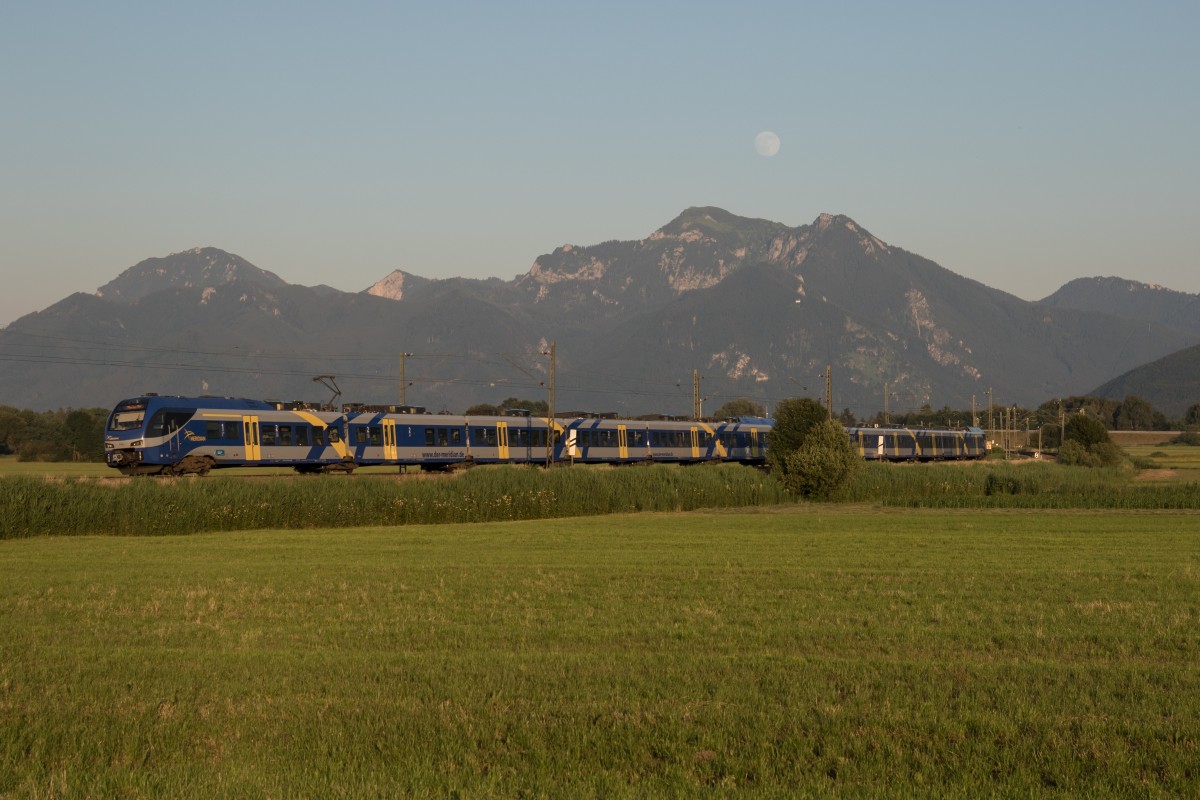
x: 919, y: 444
x: 152, y: 435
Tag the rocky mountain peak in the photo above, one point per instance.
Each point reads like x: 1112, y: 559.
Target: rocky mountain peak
x: 199, y: 268
x: 390, y: 287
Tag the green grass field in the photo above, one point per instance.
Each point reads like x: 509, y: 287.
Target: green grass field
x: 810, y: 650
x: 1183, y: 461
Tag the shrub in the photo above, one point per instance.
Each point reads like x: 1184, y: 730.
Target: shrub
x: 1073, y: 454
x: 794, y: 419
x: 823, y: 464
x: 1085, y: 430
x: 1188, y: 437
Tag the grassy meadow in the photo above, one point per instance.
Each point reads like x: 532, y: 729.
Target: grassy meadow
x: 799, y: 650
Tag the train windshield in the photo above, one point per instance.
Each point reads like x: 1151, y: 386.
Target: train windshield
x: 127, y: 416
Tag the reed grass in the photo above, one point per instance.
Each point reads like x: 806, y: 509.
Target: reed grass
x: 38, y: 507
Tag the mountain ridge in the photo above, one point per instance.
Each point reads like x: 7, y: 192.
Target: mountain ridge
x: 759, y: 308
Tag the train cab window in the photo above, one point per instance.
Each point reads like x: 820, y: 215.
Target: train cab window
x: 334, y: 436
x: 122, y: 420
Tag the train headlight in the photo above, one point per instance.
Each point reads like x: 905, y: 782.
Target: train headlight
x: 138, y: 443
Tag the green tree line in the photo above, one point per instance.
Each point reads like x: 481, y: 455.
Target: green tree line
x: 62, y: 435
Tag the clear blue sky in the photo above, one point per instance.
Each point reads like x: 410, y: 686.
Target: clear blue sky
x: 1019, y: 144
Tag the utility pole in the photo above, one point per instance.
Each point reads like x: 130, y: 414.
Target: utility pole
x: 991, y: 435
x: 403, y: 383
x: 829, y: 389
x: 697, y: 412
x: 550, y: 410
x: 1062, y: 422
x: 887, y: 417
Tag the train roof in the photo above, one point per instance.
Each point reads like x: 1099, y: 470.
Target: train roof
x: 150, y: 400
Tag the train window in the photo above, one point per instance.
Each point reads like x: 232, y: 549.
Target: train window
x: 455, y: 437
x: 285, y: 435
x: 334, y: 436
x: 360, y: 434
x: 302, y: 435
x: 319, y: 437
x: 484, y: 437
x: 167, y: 421
x: 270, y: 433
x: 376, y: 434
x: 221, y: 430
x: 637, y: 438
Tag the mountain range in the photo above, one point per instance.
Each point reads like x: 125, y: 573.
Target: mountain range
x: 754, y: 308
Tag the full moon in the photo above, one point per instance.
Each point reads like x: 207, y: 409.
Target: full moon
x: 766, y: 143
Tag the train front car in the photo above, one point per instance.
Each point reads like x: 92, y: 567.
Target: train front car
x: 153, y: 435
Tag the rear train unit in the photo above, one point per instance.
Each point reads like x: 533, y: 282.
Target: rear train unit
x: 920, y: 444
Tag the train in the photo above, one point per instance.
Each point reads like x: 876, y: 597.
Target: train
x: 920, y: 444
x: 171, y: 435
x: 174, y: 435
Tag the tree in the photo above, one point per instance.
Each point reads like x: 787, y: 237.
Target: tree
x: 794, y: 418
x: 1085, y: 430
x: 1136, y: 414
x: 532, y: 406
x: 84, y: 436
x: 482, y: 410
x: 1192, y: 417
x: 741, y: 407
x: 1086, y: 443
x: 825, y: 461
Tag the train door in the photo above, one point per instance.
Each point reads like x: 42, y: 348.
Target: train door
x: 695, y: 435
x: 622, y: 442
x: 250, y: 431
x: 755, y: 444
x: 390, y: 451
x: 502, y: 441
